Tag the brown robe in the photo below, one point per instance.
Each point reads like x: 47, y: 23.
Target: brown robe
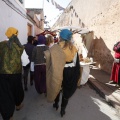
x: 55, y: 62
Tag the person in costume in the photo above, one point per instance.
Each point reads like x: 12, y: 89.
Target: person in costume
x: 49, y: 41
x: 35, y: 41
x: 55, y: 39
x: 28, y: 48
x: 38, y: 65
x: 11, y: 89
x: 115, y: 74
x: 63, y: 70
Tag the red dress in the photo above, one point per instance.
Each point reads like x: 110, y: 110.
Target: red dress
x: 115, y: 75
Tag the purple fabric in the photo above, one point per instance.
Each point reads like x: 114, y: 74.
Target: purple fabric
x: 41, y: 40
x: 40, y: 78
x: 29, y: 48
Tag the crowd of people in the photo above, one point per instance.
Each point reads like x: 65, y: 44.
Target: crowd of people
x: 53, y: 66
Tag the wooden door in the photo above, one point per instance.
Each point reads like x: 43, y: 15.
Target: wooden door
x: 29, y: 29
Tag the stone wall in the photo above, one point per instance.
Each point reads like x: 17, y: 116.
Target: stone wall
x: 103, y: 18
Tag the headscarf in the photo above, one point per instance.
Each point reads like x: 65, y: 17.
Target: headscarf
x: 66, y: 34
x: 41, y: 40
x: 12, y: 33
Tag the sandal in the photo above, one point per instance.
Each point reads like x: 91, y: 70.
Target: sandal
x: 19, y: 107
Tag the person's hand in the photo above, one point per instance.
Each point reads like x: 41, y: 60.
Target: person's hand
x: 116, y: 60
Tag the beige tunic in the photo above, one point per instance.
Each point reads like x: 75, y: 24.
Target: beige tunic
x: 55, y: 62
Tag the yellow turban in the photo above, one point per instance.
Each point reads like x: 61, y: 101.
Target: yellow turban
x: 11, y: 31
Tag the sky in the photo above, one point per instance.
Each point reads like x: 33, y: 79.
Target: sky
x: 50, y: 11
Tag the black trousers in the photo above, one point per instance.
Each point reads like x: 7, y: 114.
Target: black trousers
x: 11, y: 94
x: 26, y: 70
x: 69, y: 85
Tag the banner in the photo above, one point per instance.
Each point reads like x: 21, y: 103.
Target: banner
x: 58, y: 6
x: 52, y: 1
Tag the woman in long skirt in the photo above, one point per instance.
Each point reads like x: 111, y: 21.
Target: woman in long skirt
x: 115, y: 75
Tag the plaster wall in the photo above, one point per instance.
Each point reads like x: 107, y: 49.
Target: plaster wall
x: 10, y: 18
x: 103, y: 18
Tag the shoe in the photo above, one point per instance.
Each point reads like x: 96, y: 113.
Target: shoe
x: 56, y: 106
x: 11, y: 118
x: 62, y: 112
x: 112, y: 82
x: 63, y: 106
x: 19, y: 107
x: 79, y: 87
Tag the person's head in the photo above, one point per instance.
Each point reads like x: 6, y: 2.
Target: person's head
x: 41, y: 39
x: 30, y: 39
x: 12, y: 33
x: 65, y: 35
x: 49, y: 40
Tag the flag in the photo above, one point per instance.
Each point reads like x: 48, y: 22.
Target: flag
x: 58, y: 6
x: 71, y: 7
x: 79, y: 20
x: 83, y: 25
x: 75, y: 14
x: 53, y: 2
x: 73, y: 10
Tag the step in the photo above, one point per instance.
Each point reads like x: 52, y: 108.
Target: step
x: 112, y: 97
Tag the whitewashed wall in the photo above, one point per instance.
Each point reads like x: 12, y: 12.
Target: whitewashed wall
x: 10, y: 18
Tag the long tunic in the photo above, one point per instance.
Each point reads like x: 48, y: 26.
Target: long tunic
x: 39, y: 68
x: 10, y: 59
x: 55, y: 62
x: 115, y: 74
x: 11, y: 90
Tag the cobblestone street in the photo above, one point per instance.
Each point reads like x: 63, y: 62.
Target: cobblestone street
x: 85, y: 104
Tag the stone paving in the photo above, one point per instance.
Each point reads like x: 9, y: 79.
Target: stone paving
x: 100, y: 80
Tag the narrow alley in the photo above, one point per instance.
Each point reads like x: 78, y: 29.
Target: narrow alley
x: 49, y: 46
x: 85, y: 104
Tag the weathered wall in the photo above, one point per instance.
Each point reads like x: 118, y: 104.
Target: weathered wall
x: 100, y: 16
